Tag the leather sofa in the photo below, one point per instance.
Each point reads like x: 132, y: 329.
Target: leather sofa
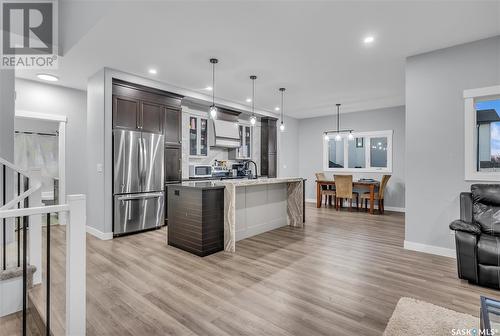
x: 477, y: 235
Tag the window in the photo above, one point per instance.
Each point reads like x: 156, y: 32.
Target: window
x: 482, y: 134
x: 488, y: 135
x: 365, y: 152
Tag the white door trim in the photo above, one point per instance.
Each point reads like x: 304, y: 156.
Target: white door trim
x: 62, y: 120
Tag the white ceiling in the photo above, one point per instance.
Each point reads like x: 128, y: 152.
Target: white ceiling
x: 314, y: 49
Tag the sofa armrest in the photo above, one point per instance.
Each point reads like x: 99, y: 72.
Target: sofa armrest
x: 466, y: 207
x: 460, y: 225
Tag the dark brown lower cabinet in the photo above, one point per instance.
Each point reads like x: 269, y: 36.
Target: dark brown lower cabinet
x: 196, y: 219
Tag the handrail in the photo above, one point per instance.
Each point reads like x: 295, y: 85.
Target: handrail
x: 14, y: 167
x: 35, y: 186
x: 33, y: 211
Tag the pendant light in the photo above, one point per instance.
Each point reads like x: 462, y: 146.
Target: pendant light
x: 282, y: 125
x: 338, y: 132
x: 253, y: 118
x: 213, y: 109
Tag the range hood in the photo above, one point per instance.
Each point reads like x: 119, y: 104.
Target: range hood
x: 224, y: 134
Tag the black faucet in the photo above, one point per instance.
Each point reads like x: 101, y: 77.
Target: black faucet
x: 250, y: 176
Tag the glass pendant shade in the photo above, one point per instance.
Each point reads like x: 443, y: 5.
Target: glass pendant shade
x: 338, y: 137
x: 350, y: 136
x: 253, y: 120
x: 282, y: 127
x: 327, y: 137
x: 213, y: 111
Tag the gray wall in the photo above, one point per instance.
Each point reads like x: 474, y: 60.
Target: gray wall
x: 435, y: 83
x: 52, y: 99
x: 311, y: 147
x: 7, y: 94
x: 288, y: 149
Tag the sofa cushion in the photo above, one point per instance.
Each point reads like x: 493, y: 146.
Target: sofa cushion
x: 488, y: 250
x: 486, y: 208
x: 489, y: 276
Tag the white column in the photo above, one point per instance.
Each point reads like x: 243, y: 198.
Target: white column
x: 7, y: 101
x: 62, y: 170
x: 35, y: 230
x: 75, y: 266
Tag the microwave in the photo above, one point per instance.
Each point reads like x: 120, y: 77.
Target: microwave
x: 200, y: 171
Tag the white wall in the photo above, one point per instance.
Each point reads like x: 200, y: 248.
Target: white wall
x: 52, y: 99
x: 435, y: 83
x: 311, y: 147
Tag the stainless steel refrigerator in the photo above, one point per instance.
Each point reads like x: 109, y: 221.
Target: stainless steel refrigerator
x: 138, y: 181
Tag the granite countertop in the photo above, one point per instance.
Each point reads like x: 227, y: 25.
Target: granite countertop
x: 218, y: 184
x: 260, y: 181
x: 203, y: 185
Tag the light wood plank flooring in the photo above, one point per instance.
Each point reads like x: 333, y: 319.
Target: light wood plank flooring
x: 343, y: 273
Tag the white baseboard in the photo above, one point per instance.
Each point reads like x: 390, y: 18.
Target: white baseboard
x: 388, y: 208
x: 98, y: 234
x: 442, y: 251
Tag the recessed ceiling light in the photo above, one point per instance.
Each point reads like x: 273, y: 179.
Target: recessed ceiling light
x: 153, y: 71
x: 209, y: 88
x: 47, y: 77
x: 276, y: 108
x: 369, y: 39
x: 249, y: 100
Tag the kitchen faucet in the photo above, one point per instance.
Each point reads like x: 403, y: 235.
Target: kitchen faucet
x: 246, y: 167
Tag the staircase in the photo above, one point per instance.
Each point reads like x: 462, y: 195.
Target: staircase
x: 25, y: 273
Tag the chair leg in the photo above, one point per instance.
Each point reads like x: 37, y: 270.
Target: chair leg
x: 366, y: 204
x: 382, y: 204
x: 357, y: 203
x: 350, y: 205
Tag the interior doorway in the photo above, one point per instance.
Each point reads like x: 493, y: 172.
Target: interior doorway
x: 40, y: 141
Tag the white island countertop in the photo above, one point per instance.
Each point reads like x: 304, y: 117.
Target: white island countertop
x: 293, y: 215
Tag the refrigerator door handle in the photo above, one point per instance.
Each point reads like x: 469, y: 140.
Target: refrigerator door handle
x: 139, y: 196
x: 145, y: 163
x: 140, y: 163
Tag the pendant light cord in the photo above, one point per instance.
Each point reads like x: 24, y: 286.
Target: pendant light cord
x: 338, y: 118
x: 253, y: 96
x: 213, y: 84
x: 282, y: 105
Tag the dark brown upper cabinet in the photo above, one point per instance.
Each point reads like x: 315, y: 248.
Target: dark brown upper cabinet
x: 126, y: 113
x: 172, y: 127
x: 152, y: 117
x: 146, y: 109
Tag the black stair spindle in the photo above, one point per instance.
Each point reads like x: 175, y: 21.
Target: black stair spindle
x: 47, y: 324
x: 25, y: 273
x: 25, y: 258
x: 18, y: 222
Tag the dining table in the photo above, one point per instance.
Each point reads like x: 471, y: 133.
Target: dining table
x: 366, y: 184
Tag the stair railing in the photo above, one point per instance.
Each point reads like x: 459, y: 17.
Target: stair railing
x: 75, y: 245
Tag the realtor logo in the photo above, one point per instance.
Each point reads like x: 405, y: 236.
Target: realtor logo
x: 29, y: 34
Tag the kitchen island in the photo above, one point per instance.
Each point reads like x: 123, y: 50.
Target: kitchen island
x: 254, y: 206
x: 250, y: 207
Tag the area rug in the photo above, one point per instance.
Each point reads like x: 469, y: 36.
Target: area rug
x: 414, y: 317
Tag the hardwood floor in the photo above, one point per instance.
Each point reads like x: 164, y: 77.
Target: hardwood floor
x: 343, y: 273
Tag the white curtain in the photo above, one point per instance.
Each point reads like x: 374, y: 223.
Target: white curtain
x: 38, y: 151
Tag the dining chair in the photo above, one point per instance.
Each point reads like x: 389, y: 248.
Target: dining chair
x: 329, y: 193
x: 343, y: 190
x: 379, y: 196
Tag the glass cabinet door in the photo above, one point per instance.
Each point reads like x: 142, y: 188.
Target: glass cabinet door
x: 193, y: 136
x: 203, y: 136
x: 248, y: 142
